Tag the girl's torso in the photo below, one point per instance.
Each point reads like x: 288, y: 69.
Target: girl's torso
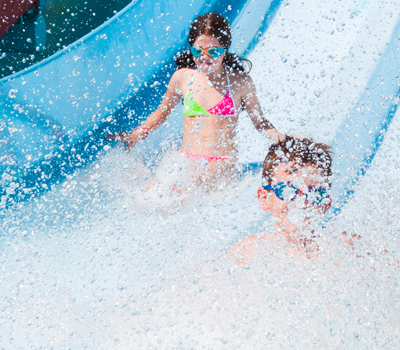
x: 211, y: 115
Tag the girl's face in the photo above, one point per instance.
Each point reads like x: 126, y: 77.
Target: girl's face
x: 205, y: 61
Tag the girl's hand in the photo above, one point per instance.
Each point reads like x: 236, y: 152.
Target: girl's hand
x: 130, y: 140
x: 279, y: 137
x: 275, y: 135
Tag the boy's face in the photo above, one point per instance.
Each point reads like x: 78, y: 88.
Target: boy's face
x: 302, y: 179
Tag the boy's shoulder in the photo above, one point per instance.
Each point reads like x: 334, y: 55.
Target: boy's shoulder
x: 247, y: 248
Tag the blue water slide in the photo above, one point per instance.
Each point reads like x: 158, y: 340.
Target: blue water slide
x: 362, y: 132
x: 54, y: 115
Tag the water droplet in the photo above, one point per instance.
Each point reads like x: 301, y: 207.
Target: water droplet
x: 224, y: 340
x: 12, y: 92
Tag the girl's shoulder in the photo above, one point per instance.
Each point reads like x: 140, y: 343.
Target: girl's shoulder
x: 240, y: 80
x: 239, y: 77
x: 181, y: 78
x: 183, y: 73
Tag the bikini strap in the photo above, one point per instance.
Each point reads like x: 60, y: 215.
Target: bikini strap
x: 192, y: 81
x: 190, y: 87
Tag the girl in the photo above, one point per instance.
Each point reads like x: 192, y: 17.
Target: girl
x: 214, y: 87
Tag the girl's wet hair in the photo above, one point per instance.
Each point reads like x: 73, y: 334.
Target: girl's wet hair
x: 298, y: 153
x: 218, y: 27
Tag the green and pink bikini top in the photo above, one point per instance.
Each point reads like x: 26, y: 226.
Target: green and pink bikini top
x: 225, y: 108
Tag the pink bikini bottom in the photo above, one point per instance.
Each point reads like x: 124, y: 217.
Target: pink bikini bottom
x: 204, y: 156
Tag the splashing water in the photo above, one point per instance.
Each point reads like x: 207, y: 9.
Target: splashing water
x: 108, y: 260
x: 98, y: 262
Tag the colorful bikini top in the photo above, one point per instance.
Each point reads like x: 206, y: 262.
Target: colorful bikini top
x: 225, y: 108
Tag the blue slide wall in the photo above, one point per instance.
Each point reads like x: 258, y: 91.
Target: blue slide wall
x: 54, y: 115
x: 362, y: 132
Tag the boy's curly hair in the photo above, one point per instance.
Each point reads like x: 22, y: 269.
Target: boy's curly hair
x: 297, y: 153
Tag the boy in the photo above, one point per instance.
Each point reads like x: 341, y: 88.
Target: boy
x: 296, y: 182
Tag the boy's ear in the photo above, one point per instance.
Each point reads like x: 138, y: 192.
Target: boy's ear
x: 262, y: 195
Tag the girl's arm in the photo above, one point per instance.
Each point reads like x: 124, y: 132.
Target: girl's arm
x: 253, y: 108
x: 158, y: 117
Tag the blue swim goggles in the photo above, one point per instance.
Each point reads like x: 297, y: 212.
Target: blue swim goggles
x: 287, y: 192
x: 214, y: 51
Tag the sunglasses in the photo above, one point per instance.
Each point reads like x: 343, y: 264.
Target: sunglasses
x: 214, y: 51
x: 286, y: 191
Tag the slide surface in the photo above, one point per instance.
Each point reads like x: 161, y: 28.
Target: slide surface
x: 362, y: 131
